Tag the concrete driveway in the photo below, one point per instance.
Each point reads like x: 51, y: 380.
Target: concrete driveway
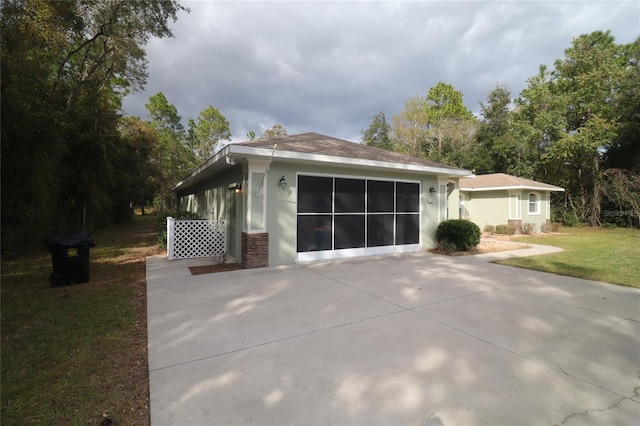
x: 416, y: 339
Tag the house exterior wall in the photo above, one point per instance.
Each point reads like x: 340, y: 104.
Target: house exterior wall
x: 502, y: 207
x: 281, y: 211
x: 544, y: 211
x: 486, y: 207
x: 276, y: 219
x: 213, y: 200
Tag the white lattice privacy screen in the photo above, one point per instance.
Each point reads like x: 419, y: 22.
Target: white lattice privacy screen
x: 188, y: 238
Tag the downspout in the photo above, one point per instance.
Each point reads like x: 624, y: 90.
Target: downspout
x: 266, y: 170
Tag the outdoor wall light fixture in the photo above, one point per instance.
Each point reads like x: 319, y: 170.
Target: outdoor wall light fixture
x: 282, y: 183
x: 235, y: 187
x: 432, y: 190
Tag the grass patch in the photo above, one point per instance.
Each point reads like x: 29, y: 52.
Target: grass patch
x: 77, y: 354
x: 598, y: 254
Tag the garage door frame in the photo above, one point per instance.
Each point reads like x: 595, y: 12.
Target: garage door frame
x: 332, y: 253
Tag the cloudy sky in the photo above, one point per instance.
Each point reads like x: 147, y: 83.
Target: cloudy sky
x: 327, y: 67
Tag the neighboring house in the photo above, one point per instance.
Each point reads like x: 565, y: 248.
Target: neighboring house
x: 500, y: 199
x: 311, y: 197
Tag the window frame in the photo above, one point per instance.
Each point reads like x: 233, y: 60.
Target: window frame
x: 535, y: 203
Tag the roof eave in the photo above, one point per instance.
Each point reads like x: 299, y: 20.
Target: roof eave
x: 220, y: 156
x: 514, y: 187
x: 237, y: 153
x: 247, y: 151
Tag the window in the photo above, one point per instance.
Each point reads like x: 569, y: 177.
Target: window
x: 315, y: 194
x: 380, y: 196
x: 534, y: 204
x: 349, y: 194
x: 407, y: 197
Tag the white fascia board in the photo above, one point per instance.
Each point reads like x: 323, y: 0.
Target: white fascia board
x: 212, y: 160
x: 328, y: 159
x: 511, y: 188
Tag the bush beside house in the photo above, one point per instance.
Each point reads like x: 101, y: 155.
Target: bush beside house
x: 458, y: 234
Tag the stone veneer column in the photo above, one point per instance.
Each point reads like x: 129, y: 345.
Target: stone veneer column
x: 255, y: 250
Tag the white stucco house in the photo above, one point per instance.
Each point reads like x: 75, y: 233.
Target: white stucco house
x: 312, y: 197
x: 500, y: 199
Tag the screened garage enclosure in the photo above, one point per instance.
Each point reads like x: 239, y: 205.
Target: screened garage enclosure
x: 345, y: 217
x: 312, y: 197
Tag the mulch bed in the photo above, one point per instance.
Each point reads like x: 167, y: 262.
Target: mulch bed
x: 488, y: 244
x: 210, y: 269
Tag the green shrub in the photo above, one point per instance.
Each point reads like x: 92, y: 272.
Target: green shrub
x: 489, y: 229
x: 161, y: 223
x: 505, y: 229
x: 570, y: 219
x: 462, y: 234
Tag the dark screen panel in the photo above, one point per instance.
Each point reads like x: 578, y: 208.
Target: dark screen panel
x: 407, y: 197
x: 379, y: 196
x: 407, y: 229
x: 314, y: 233
x: 379, y: 230
x: 349, y: 196
x: 349, y: 231
x: 315, y: 194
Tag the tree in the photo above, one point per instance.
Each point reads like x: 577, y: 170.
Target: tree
x: 141, y: 155
x: 456, y: 143
x: 410, y: 127
x: 65, y: 68
x: 164, y: 115
x: 453, y: 126
x: 446, y: 102
x: 378, y: 132
x: 211, y: 128
x: 501, y: 147
x: 539, y: 117
x: 621, y: 192
x: 624, y: 151
x: 585, y: 80
x: 176, y: 158
x: 574, y: 119
x: 622, y: 158
x: 438, y: 127
x: 276, y: 131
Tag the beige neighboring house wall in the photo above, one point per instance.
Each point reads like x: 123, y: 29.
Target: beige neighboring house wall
x: 500, y: 199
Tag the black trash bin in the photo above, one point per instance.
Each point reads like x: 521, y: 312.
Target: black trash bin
x: 70, y: 258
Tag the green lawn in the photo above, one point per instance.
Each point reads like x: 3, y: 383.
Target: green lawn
x: 77, y: 354
x: 611, y: 255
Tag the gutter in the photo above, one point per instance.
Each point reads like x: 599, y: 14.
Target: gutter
x: 521, y: 187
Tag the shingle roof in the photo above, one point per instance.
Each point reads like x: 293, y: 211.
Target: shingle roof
x: 314, y: 143
x: 315, y: 148
x: 502, y: 181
